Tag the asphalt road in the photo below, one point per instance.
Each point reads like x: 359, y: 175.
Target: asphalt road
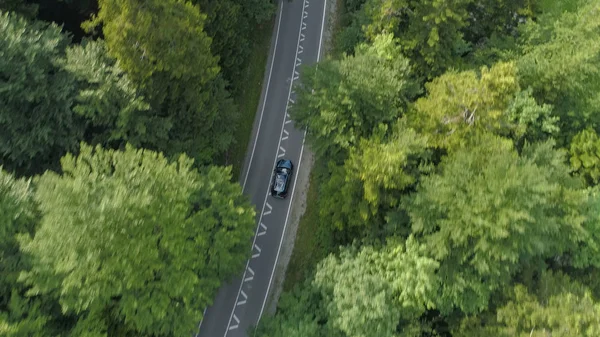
x: 297, y: 39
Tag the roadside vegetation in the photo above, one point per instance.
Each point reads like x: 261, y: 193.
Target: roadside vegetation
x: 455, y: 189
x: 117, y: 214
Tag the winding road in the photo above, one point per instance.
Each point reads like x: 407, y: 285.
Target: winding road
x: 297, y: 40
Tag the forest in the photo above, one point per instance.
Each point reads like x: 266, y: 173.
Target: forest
x: 455, y: 190
x: 119, y: 210
x: 456, y: 176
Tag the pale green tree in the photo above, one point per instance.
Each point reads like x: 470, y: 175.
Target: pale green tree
x: 163, y: 48
x: 342, y: 101
x: 489, y: 211
x: 460, y: 105
x: 133, y: 243
x: 369, y: 292
x: 157, y: 36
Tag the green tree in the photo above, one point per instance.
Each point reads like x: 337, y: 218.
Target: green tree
x: 460, y: 105
x: 370, y: 292
x: 17, y: 215
x: 19, y: 6
x: 429, y: 31
x: 36, y: 95
x: 556, y: 306
x: 560, y: 61
x: 361, y: 192
x: 342, y: 101
x: 585, y: 155
x: 20, y: 316
x: 132, y: 243
x: 300, y: 313
x: 157, y: 36
x: 489, y: 211
x: 164, y: 49
x: 115, y: 111
x: 229, y: 23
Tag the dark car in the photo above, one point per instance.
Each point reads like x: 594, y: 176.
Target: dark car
x: 282, y: 178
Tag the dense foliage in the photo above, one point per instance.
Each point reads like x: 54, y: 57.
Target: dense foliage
x: 114, y: 218
x: 458, y: 161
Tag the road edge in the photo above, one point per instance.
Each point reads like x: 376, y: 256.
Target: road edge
x: 301, y: 188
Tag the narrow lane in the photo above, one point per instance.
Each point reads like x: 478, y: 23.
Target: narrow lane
x: 296, y: 42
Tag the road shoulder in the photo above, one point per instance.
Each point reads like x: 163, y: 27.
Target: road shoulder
x: 300, y: 190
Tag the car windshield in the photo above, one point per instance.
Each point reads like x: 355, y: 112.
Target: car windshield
x: 279, y: 182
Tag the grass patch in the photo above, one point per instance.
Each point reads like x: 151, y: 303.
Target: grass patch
x: 313, y: 240
x: 248, y: 95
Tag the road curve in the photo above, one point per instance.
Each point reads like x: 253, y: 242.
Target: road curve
x: 297, y: 39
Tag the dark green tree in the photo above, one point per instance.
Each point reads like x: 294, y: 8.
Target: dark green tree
x: 115, y: 112
x: 230, y: 23
x: 36, y: 96
x: 559, y: 59
x: 164, y: 49
x: 555, y: 305
x: 133, y: 243
x: 22, y: 7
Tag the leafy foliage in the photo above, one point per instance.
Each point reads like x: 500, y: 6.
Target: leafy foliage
x: 489, y: 211
x: 115, y: 111
x: 369, y: 292
x: 131, y: 242
x: 170, y: 60
x: 229, y: 23
x: 341, y: 101
x: 461, y: 105
x: 585, y: 155
x: 560, y: 62
x: 557, y: 306
x: 37, y: 93
x: 145, y: 41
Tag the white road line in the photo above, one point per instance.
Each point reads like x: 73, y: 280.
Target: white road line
x: 251, y: 272
x: 262, y: 111
x: 293, y: 187
x: 258, y: 251
x: 242, y: 302
x: 302, y: 37
x: 264, y: 228
x: 321, y: 36
x: 200, y: 324
x: 237, y: 323
x: 268, y: 187
x: 269, y: 207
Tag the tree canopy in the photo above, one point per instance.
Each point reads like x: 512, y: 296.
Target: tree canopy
x: 37, y: 122
x: 132, y: 242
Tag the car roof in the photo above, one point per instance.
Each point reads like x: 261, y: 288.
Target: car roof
x: 286, y: 163
x: 280, y: 180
